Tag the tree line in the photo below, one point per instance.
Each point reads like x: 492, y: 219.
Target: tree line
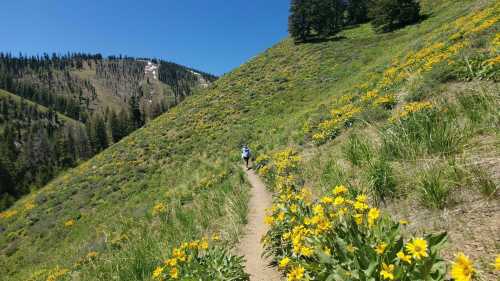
x: 37, y: 143
x: 311, y: 19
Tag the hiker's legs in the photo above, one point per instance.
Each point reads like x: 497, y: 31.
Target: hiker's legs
x: 246, y: 161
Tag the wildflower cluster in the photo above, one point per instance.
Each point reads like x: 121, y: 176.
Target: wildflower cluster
x: 69, y: 223
x: 341, y: 237
x: 7, y: 214
x: 200, y: 260
x: 379, y: 91
x: 411, y: 108
x: 159, y: 209
x: 212, y: 180
x: 57, y: 274
x: 340, y: 117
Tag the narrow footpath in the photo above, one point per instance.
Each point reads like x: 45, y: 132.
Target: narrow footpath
x: 250, y: 246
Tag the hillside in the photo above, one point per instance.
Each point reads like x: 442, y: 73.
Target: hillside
x: 110, y: 96
x: 118, y: 215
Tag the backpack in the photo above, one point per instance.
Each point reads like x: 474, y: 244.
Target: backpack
x: 246, y: 152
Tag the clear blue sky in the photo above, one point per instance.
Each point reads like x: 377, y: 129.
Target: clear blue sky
x: 211, y: 35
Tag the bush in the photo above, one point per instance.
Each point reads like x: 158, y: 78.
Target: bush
x: 389, y: 15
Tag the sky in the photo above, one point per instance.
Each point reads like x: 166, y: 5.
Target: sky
x: 210, y: 35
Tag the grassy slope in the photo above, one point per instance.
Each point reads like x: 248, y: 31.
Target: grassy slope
x: 264, y: 103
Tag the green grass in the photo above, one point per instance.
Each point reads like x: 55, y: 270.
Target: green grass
x: 358, y: 150
x: 264, y: 103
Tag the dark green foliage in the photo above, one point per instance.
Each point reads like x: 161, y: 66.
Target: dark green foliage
x: 319, y: 18
x: 357, y: 11
x: 298, y: 25
x: 35, y: 144
x: 389, y: 15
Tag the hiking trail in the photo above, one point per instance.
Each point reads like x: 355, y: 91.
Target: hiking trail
x: 250, y: 246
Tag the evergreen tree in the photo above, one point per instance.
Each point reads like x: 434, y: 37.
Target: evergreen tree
x: 135, y: 112
x: 299, y: 26
x: 389, y: 15
x: 357, y: 11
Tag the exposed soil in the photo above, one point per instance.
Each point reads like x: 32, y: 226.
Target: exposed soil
x: 250, y: 247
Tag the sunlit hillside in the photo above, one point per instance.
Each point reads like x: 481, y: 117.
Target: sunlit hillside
x: 118, y: 215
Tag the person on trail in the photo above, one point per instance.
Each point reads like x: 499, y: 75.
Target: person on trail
x: 245, y: 154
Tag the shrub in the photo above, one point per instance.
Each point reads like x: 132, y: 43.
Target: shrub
x: 389, y: 15
x: 197, y: 260
x: 357, y: 150
x: 340, y: 237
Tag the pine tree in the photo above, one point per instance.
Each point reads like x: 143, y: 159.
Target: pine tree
x: 389, y: 15
x: 100, y: 134
x: 357, y: 11
x: 298, y: 25
x: 135, y: 112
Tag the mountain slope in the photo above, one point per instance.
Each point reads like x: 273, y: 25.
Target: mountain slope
x: 186, y: 159
x: 111, y: 97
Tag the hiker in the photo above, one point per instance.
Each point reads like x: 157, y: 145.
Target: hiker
x: 245, y: 154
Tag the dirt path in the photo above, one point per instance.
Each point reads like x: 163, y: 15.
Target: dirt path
x: 250, y: 246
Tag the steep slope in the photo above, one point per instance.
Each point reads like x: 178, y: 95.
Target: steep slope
x: 183, y: 164
x: 35, y: 142
x: 111, y: 97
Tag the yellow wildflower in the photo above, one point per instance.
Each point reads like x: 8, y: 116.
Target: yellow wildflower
x: 284, y: 262
x: 327, y: 200
x: 306, y: 251
x: 497, y: 263
x: 159, y: 208
x: 157, y: 273
x: 403, y: 222
x: 269, y: 220
x: 373, y: 215
x: 327, y: 251
x: 362, y: 198
x: 358, y: 218
x: 69, y: 223
x: 380, y: 248
x: 339, y: 189
x: 360, y: 206
x: 402, y: 257
x: 281, y: 216
x: 203, y: 245
x: 318, y: 210
x: 339, y: 200
x: 174, y: 273
x: 296, y: 274
x: 387, y: 271
x: 417, y: 248
x: 171, y: 262
x: 351, y: 249
x: 462, y: 269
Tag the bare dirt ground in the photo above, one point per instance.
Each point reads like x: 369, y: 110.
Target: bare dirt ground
x: 250, y: 246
